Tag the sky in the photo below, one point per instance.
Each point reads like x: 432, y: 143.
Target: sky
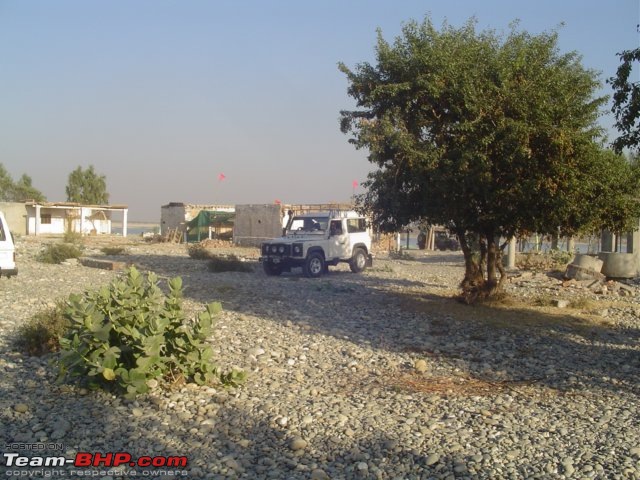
x: 162, y: 97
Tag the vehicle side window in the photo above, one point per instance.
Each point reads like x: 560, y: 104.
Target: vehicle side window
x: 356, y: 225
x: 336, y: 227
x: 3, y: 236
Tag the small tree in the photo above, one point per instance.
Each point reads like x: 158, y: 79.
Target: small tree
x: 491, y: 136
x: 86, y: 186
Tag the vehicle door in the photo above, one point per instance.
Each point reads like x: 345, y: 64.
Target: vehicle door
x: 338, y: 239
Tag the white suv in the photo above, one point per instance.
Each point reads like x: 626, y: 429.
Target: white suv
x: 314, y: 241
x: 7, y: 250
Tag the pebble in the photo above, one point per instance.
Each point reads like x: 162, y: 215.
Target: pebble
x: 384, y: 387
x: 421, y: 366
x: 432, y: 459
x: 319, y: 474
x: 298, y: 443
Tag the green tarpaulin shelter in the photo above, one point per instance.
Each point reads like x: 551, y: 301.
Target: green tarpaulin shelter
x: 219, y: 222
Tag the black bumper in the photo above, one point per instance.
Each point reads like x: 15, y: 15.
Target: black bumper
x: 8, y: 272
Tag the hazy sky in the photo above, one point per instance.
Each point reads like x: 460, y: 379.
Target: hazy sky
x: 164, y: 96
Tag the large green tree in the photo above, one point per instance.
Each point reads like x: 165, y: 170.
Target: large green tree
x: 87, y: 187
x: 490, y: 135
x: 626, y: 102
x: 19, y: 191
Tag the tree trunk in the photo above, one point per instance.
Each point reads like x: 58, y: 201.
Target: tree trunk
x: 483, y: 264
x: 472, y: 269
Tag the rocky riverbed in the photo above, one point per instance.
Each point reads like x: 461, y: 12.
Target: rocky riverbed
x: 379, y: 375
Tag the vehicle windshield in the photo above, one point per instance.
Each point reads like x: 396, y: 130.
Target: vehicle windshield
x: 308, y: 224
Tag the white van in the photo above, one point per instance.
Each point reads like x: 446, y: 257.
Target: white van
x: 7, y: 250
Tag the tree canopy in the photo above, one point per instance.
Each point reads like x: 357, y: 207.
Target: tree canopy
x: 87, y: 186
x: 19, y: 191
x: 626, y: 102
x: 491, y: 135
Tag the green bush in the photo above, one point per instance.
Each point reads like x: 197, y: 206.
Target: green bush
x: 198, y: 251
x: 113, y: 250
x: 400, y: 255
x: 560, y: 258
x: 72, y: 237
x: 41, y: 334
x: 59, y: 252
x: 538, y: 261
x: 128, y: 335
x: 228, y: 264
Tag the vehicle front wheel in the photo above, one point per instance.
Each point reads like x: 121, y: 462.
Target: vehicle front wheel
x: 358, y: 261
x: 272, y: 269
x: 314, y: 265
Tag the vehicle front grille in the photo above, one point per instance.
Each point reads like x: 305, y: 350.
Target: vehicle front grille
x: 276, y: 249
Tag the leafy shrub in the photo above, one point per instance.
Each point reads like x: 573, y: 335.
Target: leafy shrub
x: 113, y: 250
x: 128, y: 335
x: 72, y: 237
x: 560, y: 258
x: 198, y: 251
x: 228, y: 264
x: 59, y: 252
x: 553, y: 260
x: 41, y: 333
x: 400, y: 255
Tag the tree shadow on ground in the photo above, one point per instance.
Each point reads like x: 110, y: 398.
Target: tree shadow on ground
x: 221, y: 437
x: 515, y: 343
x: 439, y: 258
x: 479, y: 341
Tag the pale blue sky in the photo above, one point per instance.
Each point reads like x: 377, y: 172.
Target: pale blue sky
x: 163, y: 96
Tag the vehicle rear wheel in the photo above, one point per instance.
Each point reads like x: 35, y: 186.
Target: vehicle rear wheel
x: 358, y: 261
x: 314, y: 265
x: 272, y: 269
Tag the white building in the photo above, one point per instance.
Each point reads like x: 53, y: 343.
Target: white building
x: 61, y: 217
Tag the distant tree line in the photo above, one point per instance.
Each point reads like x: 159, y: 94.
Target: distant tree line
x: 18, y: 191
x: 84, y: 186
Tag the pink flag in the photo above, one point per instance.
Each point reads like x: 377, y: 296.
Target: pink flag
x: 355, y: 184
x: 221, y: 176
x: 278, y: 202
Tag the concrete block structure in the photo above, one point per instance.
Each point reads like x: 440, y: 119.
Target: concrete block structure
x: 620, y: 264
x: 256, y: 223
x: 176, y: 215
x: 16, y: 215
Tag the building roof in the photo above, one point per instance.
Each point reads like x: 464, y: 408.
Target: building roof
x: 76, y: 205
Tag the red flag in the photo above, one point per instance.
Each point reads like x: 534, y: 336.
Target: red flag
x: 221, y: 176
x: 355, y: 184
x: 278, y: 202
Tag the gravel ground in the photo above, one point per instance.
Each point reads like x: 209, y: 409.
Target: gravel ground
x: 379, y: 375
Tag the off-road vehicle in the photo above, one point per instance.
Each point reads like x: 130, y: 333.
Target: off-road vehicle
x: 7, y: 250
x: 314, y: 241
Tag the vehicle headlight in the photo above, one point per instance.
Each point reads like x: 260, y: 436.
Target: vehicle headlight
x: 274, y: 248
x: 297, y: 249
x: 281, y: 249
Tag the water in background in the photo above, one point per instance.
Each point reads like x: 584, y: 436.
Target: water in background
x: 136, y: 230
